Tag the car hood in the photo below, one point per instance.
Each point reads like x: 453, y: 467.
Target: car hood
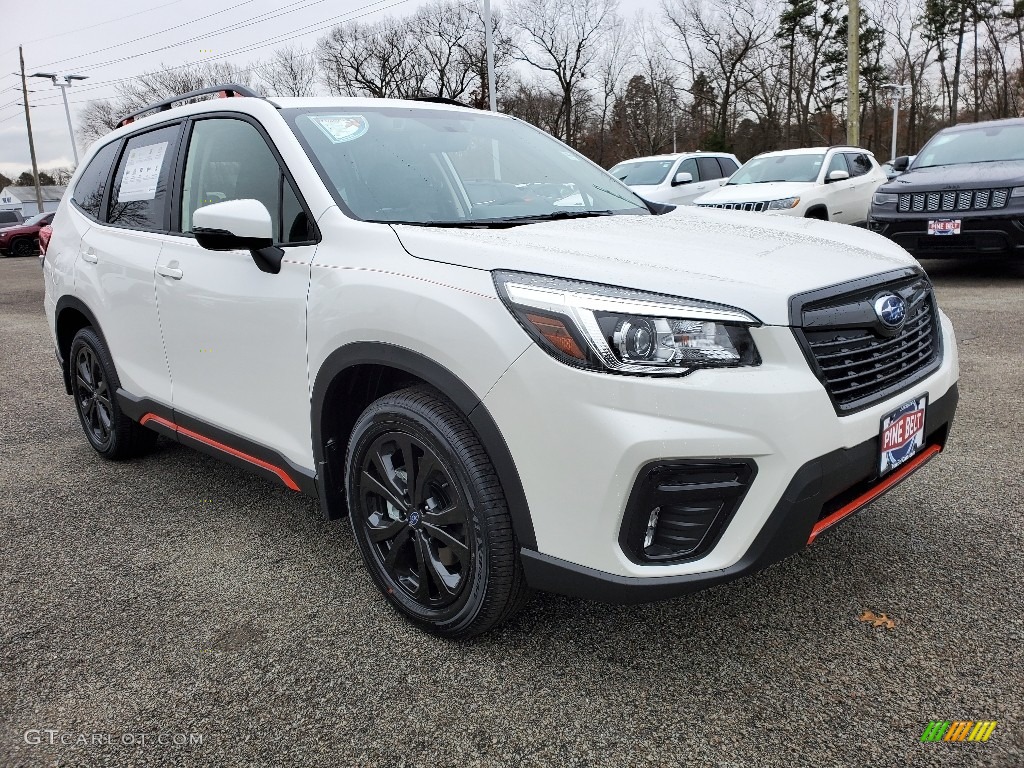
x: 961, y: 175
x: 752, y: 262
x: 754, y: 193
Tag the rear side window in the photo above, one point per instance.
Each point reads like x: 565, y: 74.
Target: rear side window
x: 709, y: 168
x: 138, y: 197
x: 729, y: 166
x: 859, y: 163
x: 93, y: 181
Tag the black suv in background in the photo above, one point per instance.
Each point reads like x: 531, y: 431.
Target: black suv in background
x: 963, y: 195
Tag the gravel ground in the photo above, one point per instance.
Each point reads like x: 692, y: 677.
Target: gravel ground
x: 177, y: 595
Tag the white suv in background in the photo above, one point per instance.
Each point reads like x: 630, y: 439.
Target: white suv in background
x: 507, y: 369
x: 676, y: 179
x: 829, y: 183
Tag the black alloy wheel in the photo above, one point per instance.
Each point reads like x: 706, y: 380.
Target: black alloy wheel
x: 94, y: 384
x: 23, y: 247
x: 429, y: 515
x: 93, y: 397
x: 416, y: 519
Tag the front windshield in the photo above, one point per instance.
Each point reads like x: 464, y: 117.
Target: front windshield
x: 759, y: 170
x: 453, y: 168
x: 39, y: 217
x: 642, y: 172
x: 979, y: 144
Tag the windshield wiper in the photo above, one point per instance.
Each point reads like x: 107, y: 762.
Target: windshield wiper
x: 503, y: 222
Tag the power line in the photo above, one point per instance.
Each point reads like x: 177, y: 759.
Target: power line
x: 146, y: 37
x: 284, y: 37
x: 93, y: 26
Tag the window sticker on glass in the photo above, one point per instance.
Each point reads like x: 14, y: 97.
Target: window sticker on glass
x: 141, y: 173
x: 340, y: 128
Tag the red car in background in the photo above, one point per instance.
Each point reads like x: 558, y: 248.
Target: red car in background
x: 23, y: 239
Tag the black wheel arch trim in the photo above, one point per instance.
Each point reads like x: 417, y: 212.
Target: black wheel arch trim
x: 73, y: 302
x: 451, y: 386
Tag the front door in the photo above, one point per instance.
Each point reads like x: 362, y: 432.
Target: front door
x: 236, y: 336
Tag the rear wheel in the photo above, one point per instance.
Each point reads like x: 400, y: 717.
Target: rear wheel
x: 23, y: 247
x: 94, y: 384
x: 429, y: 515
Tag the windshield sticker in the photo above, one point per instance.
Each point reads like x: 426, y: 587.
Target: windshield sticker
x: 141, y: 173
x: 340, y: 128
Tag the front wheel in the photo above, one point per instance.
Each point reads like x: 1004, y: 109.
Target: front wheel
x: 429, y: 515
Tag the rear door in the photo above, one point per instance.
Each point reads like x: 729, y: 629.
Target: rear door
x: 865, y: 180
x: 123, y: 235
x: 236, y: 336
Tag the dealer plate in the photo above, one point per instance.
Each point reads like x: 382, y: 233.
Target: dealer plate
x: 944, y: 227
x: 902, y: 434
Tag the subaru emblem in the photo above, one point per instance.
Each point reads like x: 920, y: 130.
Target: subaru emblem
x: 891, y: 310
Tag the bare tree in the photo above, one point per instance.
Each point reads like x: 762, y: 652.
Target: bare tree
x: 719, y: 38
x: 98, y: 118
x: 290, y: 71
x: 562, y: 38
x: 382, y: 59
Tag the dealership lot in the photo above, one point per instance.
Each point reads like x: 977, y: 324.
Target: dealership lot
x: 152, y: 605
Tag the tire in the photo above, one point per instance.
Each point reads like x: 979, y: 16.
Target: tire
x: 817, y: 213
x: 23, y: 247
x: 438, y: 542
x: 94, y: 383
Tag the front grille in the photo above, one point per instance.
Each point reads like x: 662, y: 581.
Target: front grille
x: 757, y: 207
x: 677, y: 510
x: 948, y: 202
x: 859, y: 361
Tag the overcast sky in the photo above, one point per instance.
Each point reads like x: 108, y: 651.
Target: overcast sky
x: 118, y: 39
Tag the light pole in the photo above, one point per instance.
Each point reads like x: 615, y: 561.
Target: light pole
x: 897, y: 93
x: 489, y: 43
x: 64, y: 82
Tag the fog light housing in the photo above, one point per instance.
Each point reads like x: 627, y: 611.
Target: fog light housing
x: 678, y: 510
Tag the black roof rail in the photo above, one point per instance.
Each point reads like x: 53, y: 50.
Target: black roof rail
x: 443, y: 100
x: 225, y: 90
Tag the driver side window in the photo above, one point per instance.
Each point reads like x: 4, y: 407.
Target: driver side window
x: 689, y: 165
x: 838, y: 163
x: 228, y: 159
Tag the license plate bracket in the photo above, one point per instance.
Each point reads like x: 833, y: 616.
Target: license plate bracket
x: 901, y: 434
x: 944, y: 227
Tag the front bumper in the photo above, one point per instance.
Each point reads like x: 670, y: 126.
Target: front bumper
x: 582, y: 439
x: 802, y: 514
x: 979, y: 235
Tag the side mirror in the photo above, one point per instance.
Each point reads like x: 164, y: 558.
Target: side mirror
x: 239, y: 225
x: 837, y: 176
x: 682, y: 178
x: 900, y: 163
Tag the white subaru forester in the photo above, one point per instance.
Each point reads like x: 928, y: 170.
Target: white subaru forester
x: 506, y: 368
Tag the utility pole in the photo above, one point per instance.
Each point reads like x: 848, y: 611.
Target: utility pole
x: 28, y: 123
x: 489, y: 43
x: 853, y: 74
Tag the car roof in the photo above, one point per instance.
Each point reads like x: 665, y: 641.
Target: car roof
x: 675, y: 156
x: 983, y: 124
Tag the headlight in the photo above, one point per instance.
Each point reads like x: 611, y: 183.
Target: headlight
x: 599, y: 327
x: 784, y: 205
x: 885, y: 198
x: 1017, y: 192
